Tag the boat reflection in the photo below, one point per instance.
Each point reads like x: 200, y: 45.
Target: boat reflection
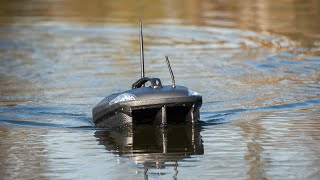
x: 153, y: 147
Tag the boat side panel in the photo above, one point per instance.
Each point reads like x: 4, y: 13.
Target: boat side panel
x: 117, y: 120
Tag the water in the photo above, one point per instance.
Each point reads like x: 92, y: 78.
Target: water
x: 256, y: 63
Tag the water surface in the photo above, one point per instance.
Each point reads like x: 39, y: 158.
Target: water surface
x: 256, y: 64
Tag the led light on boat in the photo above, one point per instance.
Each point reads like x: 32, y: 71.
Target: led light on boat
x: 123, y: 97
x: 193, y: 93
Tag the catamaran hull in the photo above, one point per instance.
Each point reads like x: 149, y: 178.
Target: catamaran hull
x: 158, y: 112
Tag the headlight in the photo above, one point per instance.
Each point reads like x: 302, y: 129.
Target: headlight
x: 123, y: 97
x: 193, y: 93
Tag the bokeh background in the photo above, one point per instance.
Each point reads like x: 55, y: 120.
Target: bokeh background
x: 256, y: 64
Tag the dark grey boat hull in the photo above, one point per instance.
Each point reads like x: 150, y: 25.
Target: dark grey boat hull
x: 163, y: 106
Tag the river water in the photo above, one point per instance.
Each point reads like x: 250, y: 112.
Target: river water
x: 256, y: 64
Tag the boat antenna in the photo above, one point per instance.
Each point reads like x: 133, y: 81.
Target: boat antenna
x: 171, y: 73
x: 141, y: 51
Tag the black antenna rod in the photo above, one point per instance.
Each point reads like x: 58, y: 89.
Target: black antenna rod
x: 141, y: 51
x: 171, y: 73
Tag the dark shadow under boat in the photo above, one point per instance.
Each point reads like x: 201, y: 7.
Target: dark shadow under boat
x: 153, y: 147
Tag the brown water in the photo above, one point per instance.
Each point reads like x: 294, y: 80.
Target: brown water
x: 256, y: 63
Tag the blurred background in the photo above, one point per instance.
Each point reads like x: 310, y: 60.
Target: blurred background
x: 256, y: 64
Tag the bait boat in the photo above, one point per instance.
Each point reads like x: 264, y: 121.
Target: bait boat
x: 156, y: 103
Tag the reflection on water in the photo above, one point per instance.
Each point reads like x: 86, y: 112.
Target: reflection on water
x: 153, y: 147
x: 256, y: 63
